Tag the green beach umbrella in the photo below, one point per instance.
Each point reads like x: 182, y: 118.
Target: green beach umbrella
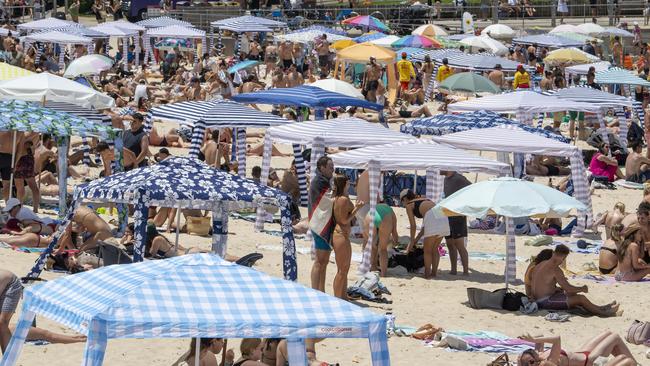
x: 469, y: 82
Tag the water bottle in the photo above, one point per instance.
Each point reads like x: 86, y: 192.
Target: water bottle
x: 390, y: 323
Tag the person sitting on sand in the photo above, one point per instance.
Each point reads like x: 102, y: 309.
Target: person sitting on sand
x: 209, y: 348
x: 543, y: 255
x: 603, y: 165
x: 434, y: 227
x: 603, y: 345
x: 545, y: 278
x: 631, y: 266
x: 91, y: 226
x: 385, y: 225
x: 610, y: 218
x: 11, y: 291
x: 608, y: 257
x: 251, y: 353
x: 545, y: 166
x: 171, y: 138
x: 637, y: 166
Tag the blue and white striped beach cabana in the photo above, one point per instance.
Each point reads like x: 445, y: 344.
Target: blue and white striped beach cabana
x: 215, y: 114
x: 44, y: 24
x: 548, y: 40
x: 198, y: 295
x: 172, y: 31
x: 242, y: 24
x: 443, y: 124
x: 182, y: 183
x: 347, y: 132
x: 413, y: 154
x: 163, y: 21
x: 618, y: 76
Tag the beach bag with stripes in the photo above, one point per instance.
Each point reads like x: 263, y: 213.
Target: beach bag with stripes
x: 638, y: 332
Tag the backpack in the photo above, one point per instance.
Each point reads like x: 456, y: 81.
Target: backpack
x: 512, y: 300
x: 638, y: 332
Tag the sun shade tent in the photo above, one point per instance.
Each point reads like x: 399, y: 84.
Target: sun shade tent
x: 584, y: 68
x: 309, y: 37
x: 242, y: 24
x: 43, y: 24
x: 512, y: 139
x: 340, y: 132
x: 163, y: 21
x: 443, y: 124
x: 548, y: 40
x: 116, y: 30
x: 60, y: 38
x: 182, y: 183
x: 522, y: 103
x: 116, y: 302
x: 411, y: 155
x: 360, y: 54
x: 457, y: 59
x: 505, y: 196
x: 172, y: 31
x: 618, y: 76
x: 215, y: 114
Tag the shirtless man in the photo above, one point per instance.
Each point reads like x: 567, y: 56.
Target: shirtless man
x: 496, y: 76
x: 251, y: 85
x: 371, y: 81
x: 545, y: 278
x: 270, y: 58
x: 214, y: 151
x: 107, y: 155
x: 532, y: 59
x: 294, y: 78
x: 6, y: 151
x: 323, y: 51
x: 286, y: 54
x: 278, y: 79
x: 194, y: 92
x: 636, y: 165
x: 46, y: 159
x: 427, y: 70
x: 546, y: 83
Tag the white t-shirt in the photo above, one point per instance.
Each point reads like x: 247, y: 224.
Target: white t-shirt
x: 140, y: 92
x: 26, y: 214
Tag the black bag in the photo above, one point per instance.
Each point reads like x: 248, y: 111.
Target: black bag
x: 635, y: 133
x: 412, y: 261
x: 512, y: 300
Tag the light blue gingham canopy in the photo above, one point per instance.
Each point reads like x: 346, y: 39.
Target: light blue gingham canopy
x: 443, y: 124
x: 180, y: 182
x: 198, y: 295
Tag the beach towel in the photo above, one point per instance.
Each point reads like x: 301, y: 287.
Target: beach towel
x: 487, y: 341
x: 592, y: 248
x: 607, y: 280
x: 629, y: 185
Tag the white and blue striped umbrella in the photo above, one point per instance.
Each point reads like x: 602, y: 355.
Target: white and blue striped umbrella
x: 248, y: 19
x: 616, y: 75
x: 81, y: 31
x: 548, y: 40
x: 590, y: 95
x: 42, y: 24
x: 443, y: 124
x: 163, y: 21
x: 479, y: 62
x: 198, y: 295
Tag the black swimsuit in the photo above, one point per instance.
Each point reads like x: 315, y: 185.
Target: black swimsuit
x: 605, y: 270
x: 416, y: 209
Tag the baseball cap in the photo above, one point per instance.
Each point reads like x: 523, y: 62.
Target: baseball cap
x: 11, y: 203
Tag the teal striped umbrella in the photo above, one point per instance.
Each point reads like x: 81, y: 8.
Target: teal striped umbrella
x: 616, y: 75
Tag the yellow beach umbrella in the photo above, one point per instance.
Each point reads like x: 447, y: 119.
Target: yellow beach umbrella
x: 8, y: 72
x: 344, y: 43
x: 569, y: 56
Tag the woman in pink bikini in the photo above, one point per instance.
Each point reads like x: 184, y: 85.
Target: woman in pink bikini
x: 603, y: 345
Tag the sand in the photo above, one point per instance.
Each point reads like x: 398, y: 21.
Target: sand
x: 416, y: 301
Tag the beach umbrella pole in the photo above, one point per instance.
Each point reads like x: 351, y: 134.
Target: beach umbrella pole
x: 197, y: 351
x: 13, y: 165
x: 178, y: 227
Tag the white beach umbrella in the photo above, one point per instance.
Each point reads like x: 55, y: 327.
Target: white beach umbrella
x: 47, y: 87
x: 88, y: 65
x: 498, y: 31
x: 565, y: 28
x: 430, y: 30
x: 487, y: 43
x: 590, y: 29
x: 614, y: 31
x: 338, y: 86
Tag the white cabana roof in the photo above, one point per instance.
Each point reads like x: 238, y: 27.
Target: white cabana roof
x: 58, y: 37
x: 163, y: 21
x: 176, y: 31
x: 124, y: 24
x: 341, y: 132
x: 249, y: 19
x: 584, y: 68
x: 506, y: 139
x: 309, y: 36
x: 115, y: 30
x: 521, y: 102
x: 417, y: 154
x: 590, y: 95
x: 41, y: 24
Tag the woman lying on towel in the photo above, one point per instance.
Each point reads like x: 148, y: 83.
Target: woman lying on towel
x: 603, y: 345
x: 157, y: 245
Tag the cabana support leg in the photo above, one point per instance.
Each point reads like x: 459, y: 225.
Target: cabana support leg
x: 17, y: 341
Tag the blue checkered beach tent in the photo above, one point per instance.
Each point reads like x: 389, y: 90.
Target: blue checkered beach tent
x: 179, y: 182
x: 443, y: 124
x: 198, y: 295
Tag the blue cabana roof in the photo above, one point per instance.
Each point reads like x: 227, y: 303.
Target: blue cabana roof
x: 443, y: 124
x: 548, y: 40
x: 305, y: 96
x: 198, y: 295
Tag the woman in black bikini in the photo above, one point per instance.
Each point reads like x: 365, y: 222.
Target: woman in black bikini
x: 603, y: 345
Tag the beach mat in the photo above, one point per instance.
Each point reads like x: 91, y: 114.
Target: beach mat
x: 629, y: 185
x: 594, y: 248
x: 488, y: 341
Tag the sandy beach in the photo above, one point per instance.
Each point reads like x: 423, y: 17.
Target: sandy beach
x: 415, y: 301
